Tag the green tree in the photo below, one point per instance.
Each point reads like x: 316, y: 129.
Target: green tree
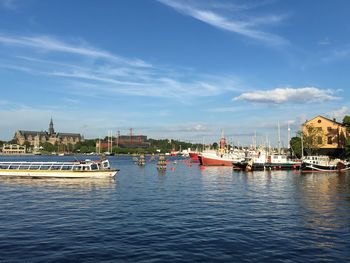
x: 346, y: 122
x: 295, y: 145
x: 347, y: 148
x: 312, y: 139
x: 48, y: 147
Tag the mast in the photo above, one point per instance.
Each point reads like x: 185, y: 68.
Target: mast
x: 302, y: 142
x: 288, y: 135
x: 279, y: 138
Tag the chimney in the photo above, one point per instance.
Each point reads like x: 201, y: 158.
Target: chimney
x: 334, y: 119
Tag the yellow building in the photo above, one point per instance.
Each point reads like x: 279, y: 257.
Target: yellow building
x: 329, y: 136
x: 13, y: 149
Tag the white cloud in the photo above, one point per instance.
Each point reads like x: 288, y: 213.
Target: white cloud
x: 248, y: 26
x: 105, y: 71
x: 46, y: 43
x: 339, y: 114
x: 288, y: 95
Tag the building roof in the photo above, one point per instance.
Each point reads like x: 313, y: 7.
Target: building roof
x: 66, y: 134
x: 320, y: 116
x: 32, y: 133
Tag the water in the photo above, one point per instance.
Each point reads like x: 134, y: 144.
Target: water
x: 183, y: 215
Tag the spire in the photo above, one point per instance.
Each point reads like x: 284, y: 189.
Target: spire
x: 222, y: 140
x: 51, y: 129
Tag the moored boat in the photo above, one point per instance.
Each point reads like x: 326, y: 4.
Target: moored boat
x: 76, y: 169
x: 323, y: 163
x: 214, y: 158
x: 194, y: 156
x: 272, y: 162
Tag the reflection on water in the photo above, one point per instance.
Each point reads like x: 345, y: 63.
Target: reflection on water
x: 183, y: 214
x: 64, y: 183
x: 324, y: 205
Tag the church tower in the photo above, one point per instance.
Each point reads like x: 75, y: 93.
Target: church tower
x: 51, y: 129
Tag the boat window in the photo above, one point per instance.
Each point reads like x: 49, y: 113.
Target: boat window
x: 24, y: 167
x: 4, y: 166
x: 94, y: 167
x: 66, y: 167
x: 55, y: 167
x: 34, y: 167
x: 14, y: 166
x: 105, y: 164
x: 77, y: 167
x: 44, y: 167
x: 86, y: 168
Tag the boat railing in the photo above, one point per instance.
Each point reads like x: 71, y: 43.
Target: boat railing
x: 49, y: 166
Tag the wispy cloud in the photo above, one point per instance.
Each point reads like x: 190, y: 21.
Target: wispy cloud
x: 288, y: 95
x: 8, y: 4
x: 339, y: 114
x: 337, y: 55
x: 249, y: 26
x: 47, y: 43
x: 105, y: 71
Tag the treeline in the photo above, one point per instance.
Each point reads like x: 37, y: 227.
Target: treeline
x: 89, y: 146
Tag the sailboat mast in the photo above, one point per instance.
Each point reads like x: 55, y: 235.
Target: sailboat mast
x: 302, y: 142
x: 279, y: 138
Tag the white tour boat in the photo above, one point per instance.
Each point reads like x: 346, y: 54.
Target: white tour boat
x: 77, y: 169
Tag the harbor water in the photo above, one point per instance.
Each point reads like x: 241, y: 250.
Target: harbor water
x: 183, y: 214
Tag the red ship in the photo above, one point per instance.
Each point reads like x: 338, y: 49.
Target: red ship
x: 194, y: 156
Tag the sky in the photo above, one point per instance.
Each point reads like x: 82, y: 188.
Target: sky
x: 180, y: 69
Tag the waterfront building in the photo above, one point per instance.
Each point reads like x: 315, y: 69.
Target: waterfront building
x: 132, y: 141
x: 13, y: 149
x: 328, y: 136
x: 56, y: 138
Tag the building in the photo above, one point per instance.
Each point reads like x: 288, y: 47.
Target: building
x: 13, y: 149
x: 132, y: 141
x: 328, y: 136
x: 36, y: 137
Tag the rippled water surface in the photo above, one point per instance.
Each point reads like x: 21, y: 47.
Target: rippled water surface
x: 185, y: 214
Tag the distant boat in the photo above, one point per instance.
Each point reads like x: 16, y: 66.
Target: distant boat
x: 194, y: 156
x: 323, y: 163
x: 214, y: 158
x: 78, y: 169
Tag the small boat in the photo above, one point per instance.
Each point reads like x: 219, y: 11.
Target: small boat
x: 76, y: 169
x: 323, y: 163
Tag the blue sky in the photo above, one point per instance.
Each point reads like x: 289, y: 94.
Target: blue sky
x: 173, y: 68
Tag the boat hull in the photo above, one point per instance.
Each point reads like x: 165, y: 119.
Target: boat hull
x: 273, y: 166
x: 340, y: 167
x: 215, y: 161
x: 59, y: 174
x: 194, y: 156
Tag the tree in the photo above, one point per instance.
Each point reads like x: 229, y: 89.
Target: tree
x: 295, y: 145
x: 347, y: 148
x: 312, y: 138
x: 346, y: 122
x: 48, y: 147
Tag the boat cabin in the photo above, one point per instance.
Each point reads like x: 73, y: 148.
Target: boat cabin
x: 56, y: 166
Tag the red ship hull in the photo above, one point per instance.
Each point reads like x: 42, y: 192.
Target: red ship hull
x: 194, y: 156
x: 215, y: 161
